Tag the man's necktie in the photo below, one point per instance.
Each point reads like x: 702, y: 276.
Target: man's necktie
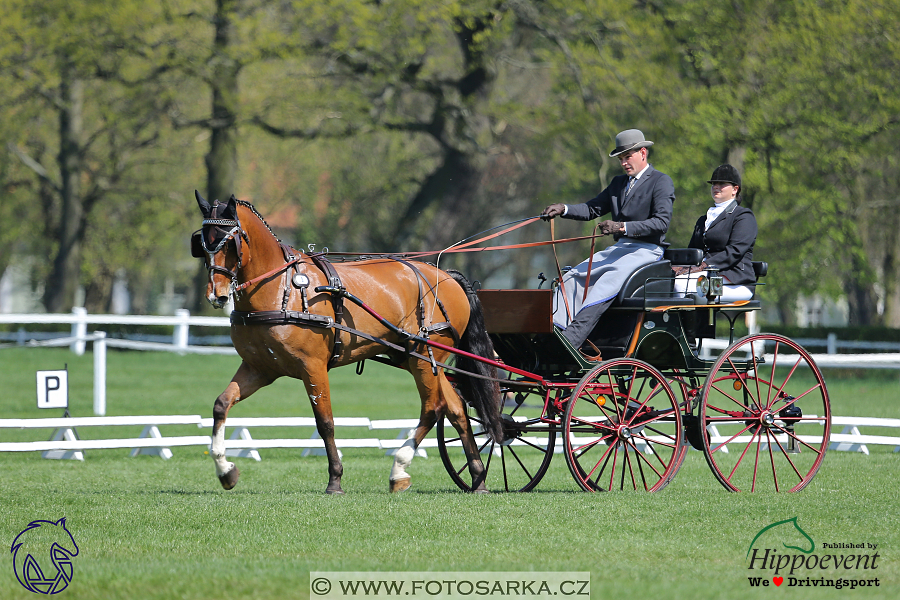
x: 631, y: 181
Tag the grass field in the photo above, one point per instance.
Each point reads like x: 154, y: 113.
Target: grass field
x: 149, y: 528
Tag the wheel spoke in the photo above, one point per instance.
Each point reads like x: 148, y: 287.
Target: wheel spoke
x: 648, y: 441
x: 640, y: 456
x: 786, y: 455
x: 770, y: 400
x: 604, y: 458
x: 732, y: 438
x: 727, y: 395
x: 772, y: 459
x: 738, y: 463
x: 529, y: 443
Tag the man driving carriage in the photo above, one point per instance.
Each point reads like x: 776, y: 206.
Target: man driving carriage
x: 640, y: 204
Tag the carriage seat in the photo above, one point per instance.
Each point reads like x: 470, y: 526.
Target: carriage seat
x: 649, y: 286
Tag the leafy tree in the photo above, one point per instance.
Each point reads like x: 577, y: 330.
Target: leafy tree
x: 76, y: 75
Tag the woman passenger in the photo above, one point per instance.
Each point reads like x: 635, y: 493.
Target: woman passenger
x: 726, y: 234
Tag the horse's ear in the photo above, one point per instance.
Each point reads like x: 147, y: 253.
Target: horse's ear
x: 230, y: 211
x: 204, y: 205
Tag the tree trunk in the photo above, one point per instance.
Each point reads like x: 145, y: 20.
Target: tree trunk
x: 862, y: 304
x: 59, y: 294
x: 221, y: 161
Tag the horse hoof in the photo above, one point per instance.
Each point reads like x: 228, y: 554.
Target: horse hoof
x: 481, y: 491
x: 336, y: 492
x: 400, y: 485
x: 230, y: 479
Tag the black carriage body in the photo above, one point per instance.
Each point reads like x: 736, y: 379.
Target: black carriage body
x: 647, y: 321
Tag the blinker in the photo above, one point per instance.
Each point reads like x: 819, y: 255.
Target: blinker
x: 197, y: 245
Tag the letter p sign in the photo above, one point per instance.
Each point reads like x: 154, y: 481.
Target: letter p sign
x: 52, y: 389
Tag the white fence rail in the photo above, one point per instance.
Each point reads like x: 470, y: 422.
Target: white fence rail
x: 64, y: 443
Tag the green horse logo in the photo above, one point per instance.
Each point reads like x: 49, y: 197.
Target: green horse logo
x: 786, y: 530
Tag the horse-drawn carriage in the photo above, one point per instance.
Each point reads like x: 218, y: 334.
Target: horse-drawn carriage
x: 759, y: 410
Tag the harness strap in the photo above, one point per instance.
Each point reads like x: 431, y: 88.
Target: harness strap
x: 337, y: 302
x: 290, y: 317
x: 280, y: 317
x: 420, y: 310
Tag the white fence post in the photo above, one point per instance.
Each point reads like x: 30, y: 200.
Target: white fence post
x: 832, y: 343
x: 79, y: 329
x: 100, y: 373
x: 180, y: 338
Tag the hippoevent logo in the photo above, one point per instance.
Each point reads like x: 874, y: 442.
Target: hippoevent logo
x: 42, y: 556
x: 784, y: 554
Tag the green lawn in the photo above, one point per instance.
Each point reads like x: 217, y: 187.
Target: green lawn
x: 149, y: 528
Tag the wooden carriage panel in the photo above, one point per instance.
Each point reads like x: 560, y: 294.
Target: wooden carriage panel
x: 517, y: 311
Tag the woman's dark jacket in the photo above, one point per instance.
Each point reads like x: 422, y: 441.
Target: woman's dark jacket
x: 728, y: 243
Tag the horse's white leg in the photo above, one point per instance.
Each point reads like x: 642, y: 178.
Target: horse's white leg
x: 246, y: 381
x: 430, y: 390
x: 400, y: 480
x: 217, y: 451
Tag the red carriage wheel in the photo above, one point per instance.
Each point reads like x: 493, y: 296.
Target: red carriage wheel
x: 515, y: 465
x: 765, y: 415
x: 622, y: 428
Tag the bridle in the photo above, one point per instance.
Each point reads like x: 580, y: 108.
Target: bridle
x: 202, y: 250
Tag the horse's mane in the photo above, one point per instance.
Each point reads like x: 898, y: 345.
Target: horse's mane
x: 252, y: 209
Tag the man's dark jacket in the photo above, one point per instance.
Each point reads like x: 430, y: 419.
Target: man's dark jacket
x: 647, y: 208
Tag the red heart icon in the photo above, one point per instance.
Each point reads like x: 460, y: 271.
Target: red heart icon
x: 778, y: 580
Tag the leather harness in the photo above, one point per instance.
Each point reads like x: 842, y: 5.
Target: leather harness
x: 305, y: 318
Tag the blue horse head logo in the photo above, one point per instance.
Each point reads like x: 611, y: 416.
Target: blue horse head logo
x: 42, y: 556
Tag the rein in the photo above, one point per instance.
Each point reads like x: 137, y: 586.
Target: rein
x: 466, y: 247
x: 274, y: 271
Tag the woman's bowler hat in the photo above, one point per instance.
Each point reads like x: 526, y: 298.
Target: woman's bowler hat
x: 726, y: 174
x: 630, y: 139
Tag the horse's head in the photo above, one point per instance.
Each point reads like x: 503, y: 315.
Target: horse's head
x: 219, y: 242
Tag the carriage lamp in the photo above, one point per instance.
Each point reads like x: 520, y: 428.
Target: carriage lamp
x: 703, y: 285
x: 710, y: 286
x: 716, y: 285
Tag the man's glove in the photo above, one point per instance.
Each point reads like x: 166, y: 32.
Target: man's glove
x: 554, y: 210
x: 608, y: 227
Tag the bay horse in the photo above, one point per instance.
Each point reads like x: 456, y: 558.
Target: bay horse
x: 283, y: 326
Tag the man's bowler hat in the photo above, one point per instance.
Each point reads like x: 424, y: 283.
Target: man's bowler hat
x: 630, y: 139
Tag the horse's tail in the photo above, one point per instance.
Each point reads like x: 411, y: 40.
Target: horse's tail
x: 483, y: 394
